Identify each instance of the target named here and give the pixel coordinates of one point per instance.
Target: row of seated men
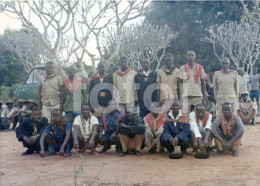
(131, 133)
(12, 116)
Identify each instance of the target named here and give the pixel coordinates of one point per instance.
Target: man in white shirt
(85, 130)
(200, 125)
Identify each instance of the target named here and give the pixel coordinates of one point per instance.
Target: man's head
(225, 63)
(241, 71)
(145, 63)
(200, 111)
(175, 106)
(21, 103)
(101, 67)
(244, 97)
(155, 107)
(36, 114)
(255, 70)
(49, 68)
(168, 59)
(111, 106)
(56, 115)
(31, 103)
(123, 63)
(227, 110)
(9, 104)
(130, 112)
(72, 70)
(86, 110)
(191, 56)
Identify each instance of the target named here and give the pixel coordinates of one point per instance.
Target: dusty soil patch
(108, 169)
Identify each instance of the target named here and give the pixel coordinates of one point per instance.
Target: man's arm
(44, 134)
(185, 131)
(93, 136)
(214, 130)
(179, 87)
(75, 135)
(239, 133)
(215, 85)
(68, 133)
(40, 96)
(61, 97)
(236, 86)
(203, 89)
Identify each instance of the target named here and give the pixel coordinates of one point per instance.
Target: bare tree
(142, 41)
(27, 48)
(255, 14)
(238, 41)
(66, 28)
(93, 18)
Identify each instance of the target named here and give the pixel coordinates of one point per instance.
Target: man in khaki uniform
(192, 77)
(226, 86)
(50, 93)
(123, 80)
(168, 81)
(246, 109)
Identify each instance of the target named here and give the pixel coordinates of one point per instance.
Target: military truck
(29, 88)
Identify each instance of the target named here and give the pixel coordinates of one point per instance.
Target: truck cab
(30, 86)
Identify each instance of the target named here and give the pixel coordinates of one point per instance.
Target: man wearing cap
(226, 86)
(192, 77)
(75, 94)
(50, 92)
(246, 109)
(15, 114)
(30, 103)
(6, 111)
(227, 130)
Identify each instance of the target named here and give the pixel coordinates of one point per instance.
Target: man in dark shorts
(254, 88)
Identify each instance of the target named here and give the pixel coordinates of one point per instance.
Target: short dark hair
(168, 55)
(225, 59)
(226, 104)
(49, 63)
(123, 58)
(102, 62)
(56, 110)
(200, 105)
(36, 109)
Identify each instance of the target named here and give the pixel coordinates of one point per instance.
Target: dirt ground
(108, 169)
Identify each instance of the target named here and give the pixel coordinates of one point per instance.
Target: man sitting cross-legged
(57, 135)
(131, 132)
(154, 128)
(109, 122)
(85, 130)
(246, 109)
(30, 130)
(176, 129)
(200, 125)
(227, 131)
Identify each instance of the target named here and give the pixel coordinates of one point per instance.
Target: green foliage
(11, 70)
(7, 92)
(190, 19)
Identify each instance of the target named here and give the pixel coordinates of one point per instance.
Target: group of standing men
(160, 122)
